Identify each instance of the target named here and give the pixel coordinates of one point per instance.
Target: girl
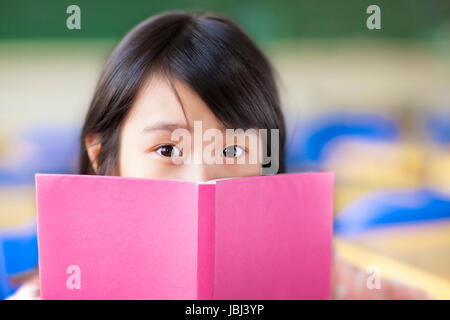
(170, 71)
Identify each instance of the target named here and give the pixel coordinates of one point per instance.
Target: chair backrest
(18, 254)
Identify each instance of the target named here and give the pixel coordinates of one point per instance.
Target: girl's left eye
(233, 151)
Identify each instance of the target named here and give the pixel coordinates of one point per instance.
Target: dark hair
(209, 53)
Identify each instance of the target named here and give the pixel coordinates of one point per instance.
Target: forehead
(157, 102)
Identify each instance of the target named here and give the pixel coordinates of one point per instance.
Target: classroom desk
(17, 205)
(417, 254)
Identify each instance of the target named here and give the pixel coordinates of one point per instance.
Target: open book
(263, 237)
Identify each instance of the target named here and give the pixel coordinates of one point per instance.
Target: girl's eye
(232, 151)
(169, 150)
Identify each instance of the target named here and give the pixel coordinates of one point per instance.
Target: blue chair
(54, 150)
(438, 127)
(4, 278)
(18, 254)
(306, 141)
(381, 209)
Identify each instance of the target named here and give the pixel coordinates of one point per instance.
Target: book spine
(206, 243)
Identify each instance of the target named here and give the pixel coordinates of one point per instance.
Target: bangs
(228, 73)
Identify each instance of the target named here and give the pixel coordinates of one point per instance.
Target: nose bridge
(201, 172)
(199, 169)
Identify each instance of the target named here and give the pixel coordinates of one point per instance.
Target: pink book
(264, 237)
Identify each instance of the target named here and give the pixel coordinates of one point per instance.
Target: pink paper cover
(243, 238)
(273, 237)
(131, 238)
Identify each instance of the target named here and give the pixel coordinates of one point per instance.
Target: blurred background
(371, 105)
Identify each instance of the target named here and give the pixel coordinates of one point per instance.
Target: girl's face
(149, 150)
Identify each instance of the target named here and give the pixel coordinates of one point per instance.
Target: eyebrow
(165, 126)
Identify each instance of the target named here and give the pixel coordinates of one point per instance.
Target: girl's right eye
(168, 151)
